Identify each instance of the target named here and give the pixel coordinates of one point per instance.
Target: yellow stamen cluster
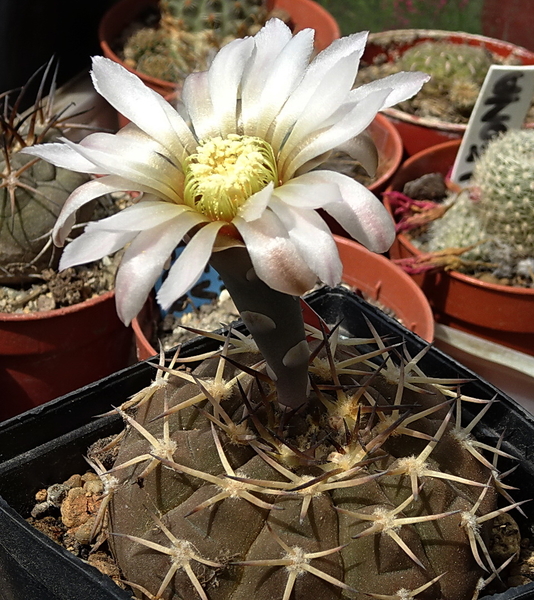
(224, 173)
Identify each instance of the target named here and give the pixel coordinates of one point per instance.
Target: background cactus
(229, 18)
(189, 34)
(32, 191)
(456, 70)
(496, 212)
(373, 487)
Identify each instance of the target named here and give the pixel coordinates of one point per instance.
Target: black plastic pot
(46, 445)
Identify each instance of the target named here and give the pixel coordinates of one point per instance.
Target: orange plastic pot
(418, 133)
(374, 276)
(304, 13)
(499, 313)
(44, 355)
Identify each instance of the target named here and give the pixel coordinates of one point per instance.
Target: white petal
(93, 246)
(363, 149)
(286, 73)
(256, 204)
(81, 196)
(327, 98)
(306, 192)
(141, 105)
(268, 42)
(348, 127)
(189, 267)
(224, 78)
(361, 214)
(321, 68)
(403, 85)
(63, 156)
(195, 95)
(146, 214)
(135, 161)
(313, 239)
(143, 263)
(275, 257)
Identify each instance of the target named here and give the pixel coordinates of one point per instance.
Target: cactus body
(504, 182)
(252, 503)
(24, 233)
(228, 17)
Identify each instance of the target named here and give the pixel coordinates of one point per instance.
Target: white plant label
(502, 104)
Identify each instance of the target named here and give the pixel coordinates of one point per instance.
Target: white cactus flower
(233, 167)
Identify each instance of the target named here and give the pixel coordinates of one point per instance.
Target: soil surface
(50, 289)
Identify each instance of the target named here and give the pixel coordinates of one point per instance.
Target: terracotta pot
(44, 355)
(418, 133)
(499, 313)
(375, 277)
(304, 13)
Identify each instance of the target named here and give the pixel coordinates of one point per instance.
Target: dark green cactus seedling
(32, 191)
(374, 488)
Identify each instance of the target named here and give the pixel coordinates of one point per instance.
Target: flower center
(222, 175)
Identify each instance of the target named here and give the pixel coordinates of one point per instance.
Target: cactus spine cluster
(189, 34)
(374, 489)
(32, 191)
(497, 210)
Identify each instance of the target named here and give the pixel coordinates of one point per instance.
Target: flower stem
(275, 321)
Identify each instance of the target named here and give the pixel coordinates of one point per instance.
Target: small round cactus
(496, 213)
(32, 191)
(503, 181)
(373, 489)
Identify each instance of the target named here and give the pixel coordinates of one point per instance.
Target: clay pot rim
(526, 56)
(57, 312)
(467, 279)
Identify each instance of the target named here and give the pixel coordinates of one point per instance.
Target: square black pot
(46, 445)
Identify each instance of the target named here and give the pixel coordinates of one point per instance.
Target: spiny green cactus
(456, 69)
(189, 34)
(503, 181)
(375, 488)
(229, 17)
(32, 191)
(496, 212)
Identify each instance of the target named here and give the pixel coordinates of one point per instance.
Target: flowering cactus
(238, 177)
(313, 469)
